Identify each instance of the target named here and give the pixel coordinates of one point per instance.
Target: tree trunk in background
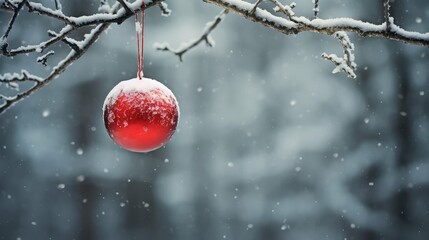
(404, 138)
(403, 131)
(87, 192)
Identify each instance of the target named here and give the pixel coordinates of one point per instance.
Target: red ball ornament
(141, 115)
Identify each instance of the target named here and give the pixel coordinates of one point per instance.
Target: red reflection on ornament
(141, 115)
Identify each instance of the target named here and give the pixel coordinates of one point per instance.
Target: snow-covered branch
(316, 8)
(116, 14)
(15, 77)
(338, 27)
(324, 26)
(165, 11)
(205, 37)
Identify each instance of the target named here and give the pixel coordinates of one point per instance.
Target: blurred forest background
(270, 144)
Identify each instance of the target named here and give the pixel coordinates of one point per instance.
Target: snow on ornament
(141, 115)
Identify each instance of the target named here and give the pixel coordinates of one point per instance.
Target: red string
(140, 48)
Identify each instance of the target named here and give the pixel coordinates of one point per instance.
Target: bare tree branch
(5, 7)
(12, 20)
(316, 8)
(15, 77)
(58, 5)
(188, 46)
(44, 58)
(69, 41)
(255, 6)
(39, 8)
(328, 26)
(41, 46)
(386, 6)
(125, 6)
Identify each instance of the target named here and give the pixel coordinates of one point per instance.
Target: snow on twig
(347, 62)
(58, 5)
(117, 17)
(316, 8)
(41, 46)
(19, 77)
(69, 41)
(11, 80)
(104, 7)
(16, 9)
(386, 5)
(255, 6)
(57, 70)
(287, 10)
(210, 26)
(165, 11)
(44, 58)
(125, 6)
(58, 14)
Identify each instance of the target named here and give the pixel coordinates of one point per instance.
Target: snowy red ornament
(141, 115)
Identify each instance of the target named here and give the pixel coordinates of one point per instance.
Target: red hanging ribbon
(140, 48)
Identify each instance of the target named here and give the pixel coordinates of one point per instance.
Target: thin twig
(287, 10)
(255, 6)
(58, 5)
(386, 6)
(24, 76)
(69, 41)
(125, 6)
(37, 7)
(44, 59)
(12, 20)
(204, 37)
(165, 11)
(60, 68)
(4, 7)
(41, 46)
(316, 8)
(347, 62)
